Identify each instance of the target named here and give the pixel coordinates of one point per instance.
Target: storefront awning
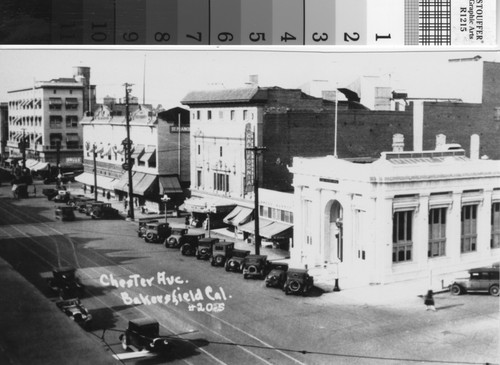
(137, 151)
(238, 216)
(30, 163)
(141, 182)
(169, 185)
(207, 205)
(102, 181)
(269, 229)
(150, 151)
(39, 166)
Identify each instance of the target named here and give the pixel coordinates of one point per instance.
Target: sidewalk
(34, 331)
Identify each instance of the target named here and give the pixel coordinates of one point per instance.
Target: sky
(170, 73)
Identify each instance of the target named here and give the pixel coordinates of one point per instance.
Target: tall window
(437, 232)
(199, 149)
(495, 225)
(198, 178)
(55, 121)
(220, 151)
(55, 103)
(469, 228)
(402, 243)
(232, 114)
(221, 182)
(209, 114)
(245, 114)
(71, 103)
(198, 114)
(71, 121)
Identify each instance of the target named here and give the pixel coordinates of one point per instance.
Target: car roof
(63, 269)
(143, 321)
(484, 269)
(256, 257)
(224, 243)
(298, 271)
(208, 239)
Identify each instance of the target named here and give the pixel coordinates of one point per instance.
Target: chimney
(418, 125)
(440, 140)
(254, 79)
(474, 147)
(330, 95)
(398, 142)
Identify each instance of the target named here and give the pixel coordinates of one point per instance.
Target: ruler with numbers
(250, 22)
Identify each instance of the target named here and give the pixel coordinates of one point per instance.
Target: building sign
(332, 181)
(249, 160)
(73, 160)
(175, 129)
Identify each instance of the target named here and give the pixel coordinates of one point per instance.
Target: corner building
(407, 215)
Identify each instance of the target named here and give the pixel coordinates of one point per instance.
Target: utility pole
(128, 88)
(95, 171)
(256, 150)
(23, 150)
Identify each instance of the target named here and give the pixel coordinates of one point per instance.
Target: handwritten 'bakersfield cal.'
(175, 297)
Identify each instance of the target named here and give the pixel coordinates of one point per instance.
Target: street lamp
(165, 199)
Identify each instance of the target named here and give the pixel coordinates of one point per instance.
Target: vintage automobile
(65, 214)
(62, 196)
(298, 281)
(255, 266)
(204, 249)
(50, 193)
(235, 262)
(75, 310)
(143, 334)
(189, 242)
(86, 206)
(483, 279)
(143, 222)
(74, 200)
(65, 282)
(100, 210)
(174, 241)
(277, 277)
(156, 232)
(221, 251)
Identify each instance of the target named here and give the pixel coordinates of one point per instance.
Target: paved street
(230, 320)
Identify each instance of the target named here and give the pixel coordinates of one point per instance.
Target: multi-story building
(406, 215)
(47, 116)
(156, 155)
(4, 129)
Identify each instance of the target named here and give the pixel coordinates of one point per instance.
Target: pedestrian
(34, 190)
(186, 221)
(429, 301)
(108, 195)
(84, 189)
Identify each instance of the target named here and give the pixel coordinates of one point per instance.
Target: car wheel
(219, 260)
(494, 290)
(149, 237)
(294, 286)
(185, 250)
(252, 269)
(123, 340)
(455, 289)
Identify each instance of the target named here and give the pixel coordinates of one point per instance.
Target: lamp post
(128, 89)
(165, 199)
(94, 147)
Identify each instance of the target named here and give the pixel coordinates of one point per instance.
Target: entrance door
(334, 250)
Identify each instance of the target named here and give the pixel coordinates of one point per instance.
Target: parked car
(204, 249)
(174, 240)
(298, 281)
(74, 200)
(65, 214)
(62, 196)
(100, 210)
(189, 242)
(50, 193)
(65, 282)
(255, 266)
(221, 251)
(75, 310)
(277, 277)
(143, 334)
(157, 232)
(483, 279)
(143, 222)
(84, 204)
(235, 262)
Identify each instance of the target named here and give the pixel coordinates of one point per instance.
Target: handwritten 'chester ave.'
(137, 281)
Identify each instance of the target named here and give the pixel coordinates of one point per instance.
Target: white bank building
(407, 215)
